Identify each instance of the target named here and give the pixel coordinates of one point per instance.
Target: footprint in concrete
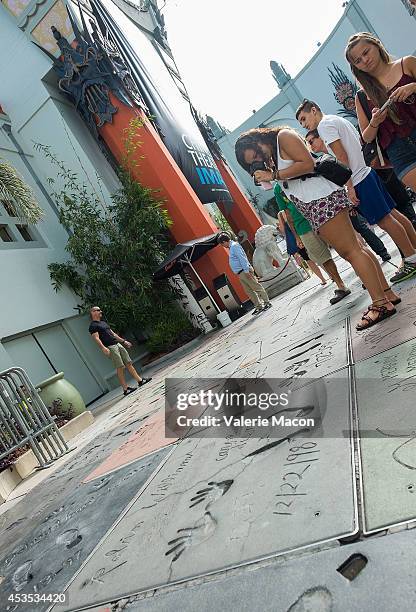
(202, 530)
(317, 599)
(69, 538)
(211, 493)
(53, 514)
(103, 482)
(15, 523)
(22, 576)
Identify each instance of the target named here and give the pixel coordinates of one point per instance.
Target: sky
(223, 48)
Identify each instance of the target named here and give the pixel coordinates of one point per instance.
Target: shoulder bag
(373, 155)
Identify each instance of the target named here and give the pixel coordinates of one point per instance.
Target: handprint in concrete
(204, 527)
(211, 493)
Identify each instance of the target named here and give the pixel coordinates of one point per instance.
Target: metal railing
(25, 420)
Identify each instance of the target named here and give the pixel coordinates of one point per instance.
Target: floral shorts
(320, 211)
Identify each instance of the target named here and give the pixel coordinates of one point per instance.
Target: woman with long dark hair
(384, 79)
(285, 156)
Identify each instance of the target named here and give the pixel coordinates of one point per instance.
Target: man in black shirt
(114, 346)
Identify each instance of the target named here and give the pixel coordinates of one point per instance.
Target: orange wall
(241, 216)
(158, 170)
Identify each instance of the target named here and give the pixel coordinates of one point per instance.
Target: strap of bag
(362, 96)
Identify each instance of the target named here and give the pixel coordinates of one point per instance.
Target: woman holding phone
(326, 206)
(390, 86)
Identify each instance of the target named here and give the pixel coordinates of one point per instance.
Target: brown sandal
(396, 301)
(383, 313)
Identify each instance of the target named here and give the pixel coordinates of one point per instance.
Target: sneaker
(267, 306)
(144, 381)
(406, 271)
(257, 311)
(130, 390)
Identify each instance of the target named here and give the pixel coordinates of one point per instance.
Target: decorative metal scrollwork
(89, 69)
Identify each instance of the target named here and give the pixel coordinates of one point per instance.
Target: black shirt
(104, 332)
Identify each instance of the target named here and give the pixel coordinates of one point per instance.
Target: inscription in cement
(49, 555)
(309, 357)
(386, 391)
(386, 335)
(218, 503)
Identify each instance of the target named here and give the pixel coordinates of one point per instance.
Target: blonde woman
(386, 80)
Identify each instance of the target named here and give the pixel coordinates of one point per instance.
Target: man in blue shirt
(240, 265)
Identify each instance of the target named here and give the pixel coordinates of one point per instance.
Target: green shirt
(301, 225)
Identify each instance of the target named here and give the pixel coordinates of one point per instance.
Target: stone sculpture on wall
(410, 7)
(345, 91)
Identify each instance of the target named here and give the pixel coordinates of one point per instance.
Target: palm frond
(13, 189)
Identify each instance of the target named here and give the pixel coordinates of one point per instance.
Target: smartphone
(385, 105)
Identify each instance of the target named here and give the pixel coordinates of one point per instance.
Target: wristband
(374, 126)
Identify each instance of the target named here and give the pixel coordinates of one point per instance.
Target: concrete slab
(309, 357)
(44, 488)
(53, 550)
(149, 438)
(385, 386)
(324, 317)
(311, 583)
(244, 498)
(388, 334)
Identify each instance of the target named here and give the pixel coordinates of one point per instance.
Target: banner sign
(166, 105)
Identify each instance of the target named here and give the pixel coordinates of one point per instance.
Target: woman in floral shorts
(324, 204)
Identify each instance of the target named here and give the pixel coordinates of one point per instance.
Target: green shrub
(171, 331)
(114, 248)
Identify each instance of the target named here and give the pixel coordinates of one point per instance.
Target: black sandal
(144, 381)
(383, 313)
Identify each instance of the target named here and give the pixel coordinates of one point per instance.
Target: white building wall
(314, 80)
(392, 23)
(29, 305)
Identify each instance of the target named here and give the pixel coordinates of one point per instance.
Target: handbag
(328, 167)
(331, 169)
(372, 152)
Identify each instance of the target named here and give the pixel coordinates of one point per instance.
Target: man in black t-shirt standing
(115, 347)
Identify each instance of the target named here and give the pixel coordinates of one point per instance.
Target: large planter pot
(58, 393)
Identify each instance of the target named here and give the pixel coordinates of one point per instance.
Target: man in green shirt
(316, 248)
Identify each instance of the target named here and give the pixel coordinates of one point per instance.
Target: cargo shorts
(119, 355)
